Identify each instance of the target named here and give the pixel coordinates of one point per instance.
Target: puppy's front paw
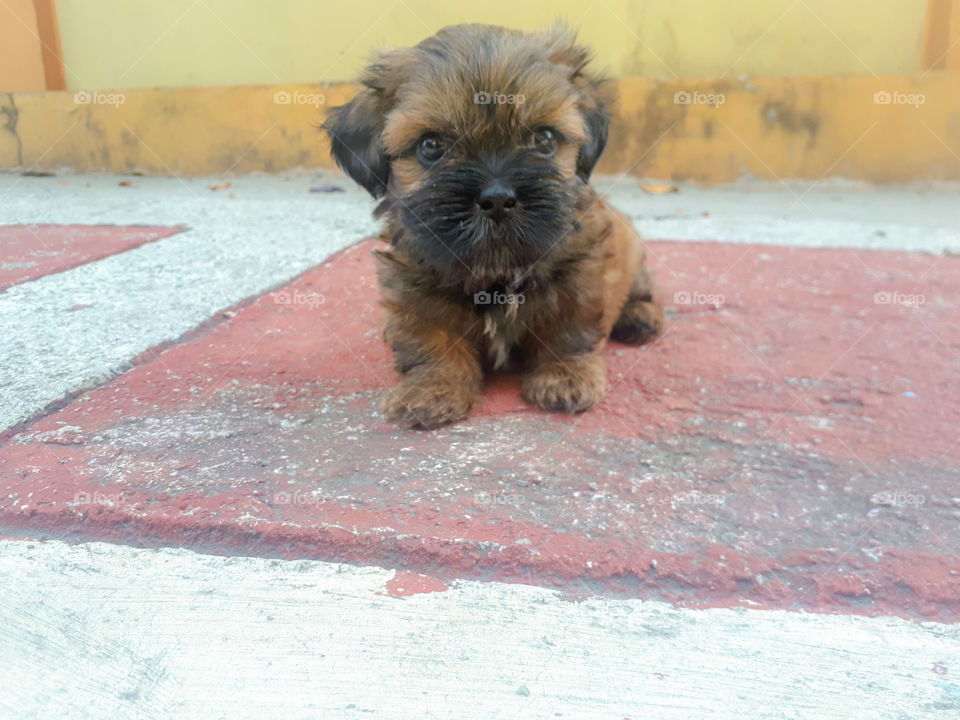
(425, 402)
(572, 385)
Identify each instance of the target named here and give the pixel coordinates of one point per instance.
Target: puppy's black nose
(496, 200)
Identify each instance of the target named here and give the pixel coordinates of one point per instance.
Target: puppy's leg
(441, 375)
(641, 318)
(572, 384)
(567, 371)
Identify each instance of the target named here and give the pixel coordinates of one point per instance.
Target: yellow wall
(21, 65)
(149, 43)
(807, 109)
(772, 128)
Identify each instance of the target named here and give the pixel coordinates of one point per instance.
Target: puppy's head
(479, 138)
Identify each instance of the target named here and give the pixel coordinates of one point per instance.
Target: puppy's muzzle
(497, 200)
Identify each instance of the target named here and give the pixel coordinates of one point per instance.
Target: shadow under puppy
(481, 141)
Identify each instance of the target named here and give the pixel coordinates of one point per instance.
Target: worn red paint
(405, 584)
(771, 452)
(31, 251)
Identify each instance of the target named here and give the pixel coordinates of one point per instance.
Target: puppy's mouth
(467, 222)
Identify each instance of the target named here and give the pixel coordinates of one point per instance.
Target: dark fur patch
(598, 128)
(406, 356)
(445, 228)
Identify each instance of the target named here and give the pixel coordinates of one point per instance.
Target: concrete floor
(266, 229)
(98, 630)
(106, 631)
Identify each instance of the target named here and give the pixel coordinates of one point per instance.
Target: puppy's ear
(596, 120)
(355, 128)
(562, 49)
(354, 131)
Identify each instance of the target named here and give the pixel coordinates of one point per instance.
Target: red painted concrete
(31, 251)
(795, 447)
(405, 584)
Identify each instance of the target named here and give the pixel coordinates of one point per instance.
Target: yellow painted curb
(177, 131)
(895, 128)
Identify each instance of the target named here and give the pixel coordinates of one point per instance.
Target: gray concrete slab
(833, 213)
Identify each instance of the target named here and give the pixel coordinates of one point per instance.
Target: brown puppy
(481, 140)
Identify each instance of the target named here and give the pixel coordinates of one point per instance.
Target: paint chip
(404, 584)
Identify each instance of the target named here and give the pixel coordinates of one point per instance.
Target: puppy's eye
(431, 149)
(545, 142)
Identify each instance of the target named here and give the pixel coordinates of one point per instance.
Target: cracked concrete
(10, 115)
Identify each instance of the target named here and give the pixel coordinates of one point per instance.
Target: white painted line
(273, 229)
(103, 631)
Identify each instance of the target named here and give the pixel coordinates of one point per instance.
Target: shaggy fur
(540, 286)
